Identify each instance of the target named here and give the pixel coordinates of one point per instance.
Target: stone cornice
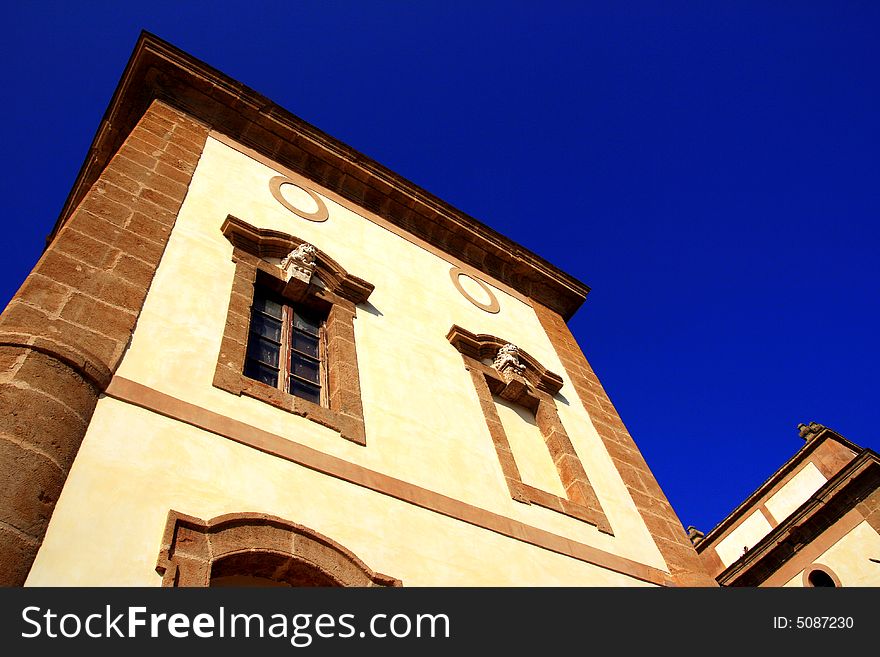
(158, 70)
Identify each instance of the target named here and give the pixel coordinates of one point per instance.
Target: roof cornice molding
(159, 71)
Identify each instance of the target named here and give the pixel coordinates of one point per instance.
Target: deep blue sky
(711, 172)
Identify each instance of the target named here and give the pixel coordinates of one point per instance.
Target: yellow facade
(423, 420)
(849, 558)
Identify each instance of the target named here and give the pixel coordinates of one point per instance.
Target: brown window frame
(332, 294)
(534, 390)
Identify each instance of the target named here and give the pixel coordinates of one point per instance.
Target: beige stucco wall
(423, 421)
(781, 504)
(179, 467)
(530, 452)
(849, 558)
(795, 492)
(748, 533)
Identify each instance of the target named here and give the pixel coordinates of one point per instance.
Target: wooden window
(286, 347)
(288, 341)
(306, 374)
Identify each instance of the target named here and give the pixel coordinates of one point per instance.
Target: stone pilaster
(65, 331)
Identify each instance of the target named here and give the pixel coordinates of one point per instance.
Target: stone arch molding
(191, 547)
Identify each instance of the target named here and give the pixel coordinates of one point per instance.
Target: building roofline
(159, 70)
(803, 525)
(772, 480)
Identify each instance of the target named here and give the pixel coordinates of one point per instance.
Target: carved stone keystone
(507, 362)
(300, 263)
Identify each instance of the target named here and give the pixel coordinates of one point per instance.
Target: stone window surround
(336, 299)
(191, 547)
(534, 389)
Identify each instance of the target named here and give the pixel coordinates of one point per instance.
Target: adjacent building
(814, 522)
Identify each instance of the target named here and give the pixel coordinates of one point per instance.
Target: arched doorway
(254, 549)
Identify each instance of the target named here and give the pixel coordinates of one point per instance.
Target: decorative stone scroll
(300, 263)
(811, 430)
(695, 535)
(507, 362)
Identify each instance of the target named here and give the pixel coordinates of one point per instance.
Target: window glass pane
(264, 351)
(305, 368)
(307, 344)
(305, 323)
(268, 306)
(305, 390)
(260, 372)
(266, 326)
